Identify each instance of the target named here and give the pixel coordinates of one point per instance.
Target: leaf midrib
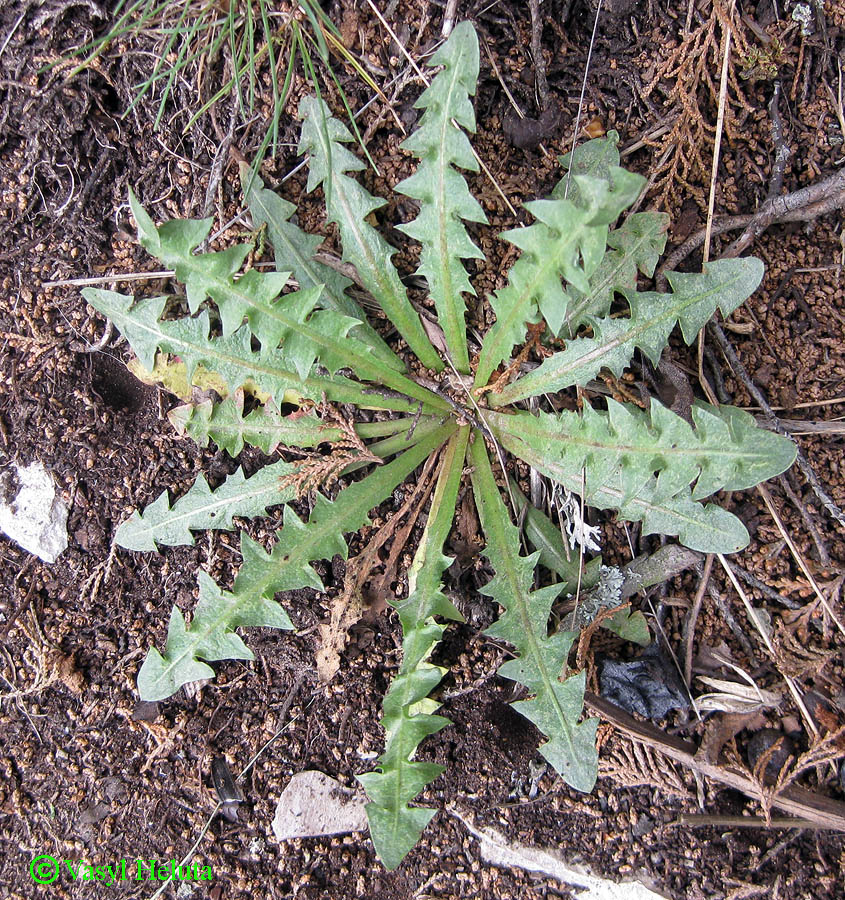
(451, 302)
(529, 428)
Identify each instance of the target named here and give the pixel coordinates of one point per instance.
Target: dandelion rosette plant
(464, 411)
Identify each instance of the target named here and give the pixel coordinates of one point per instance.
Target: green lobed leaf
(348, 204)
(286, 567)
(210, 636)
(561, 243)
(573, 230)
(264, 427)
(637, 245)
(234, 359)
(644, 463)
(394, 826)
(202, 508)
(541, 658)
(599, 159)
(286, 325)
(226, 425)
(295, 249)
(724, 284)
(444, 197)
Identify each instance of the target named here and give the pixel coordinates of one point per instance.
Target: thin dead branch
(821, 548)
(725, 611)
(767, 497)
(692, 618)
(537, 54)
(802, 205)
(823, 812)
(782, 151)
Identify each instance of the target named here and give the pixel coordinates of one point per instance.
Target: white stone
(313, 805)
(31, 512)
(497, 850)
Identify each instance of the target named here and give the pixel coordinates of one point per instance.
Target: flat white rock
(313, 805)
(497, 850)
(31, 512)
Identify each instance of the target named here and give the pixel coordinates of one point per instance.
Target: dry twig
(802, 205)
(692, 618)
(537, 53)
(764, 493)
(823, 812)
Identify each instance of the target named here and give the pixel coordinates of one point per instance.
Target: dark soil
(87, 771)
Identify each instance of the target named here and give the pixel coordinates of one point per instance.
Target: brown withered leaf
(720, 729)
(527, 133)
(347, 609)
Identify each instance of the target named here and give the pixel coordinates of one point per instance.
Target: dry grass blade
(796, 555)
(720, 125)
(755, 620)
(583, 91)
(733, 697)
(692, 618)
(349, 606)
(711, 200)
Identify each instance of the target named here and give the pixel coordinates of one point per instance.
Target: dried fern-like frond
(633, 764)
(691, 68)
